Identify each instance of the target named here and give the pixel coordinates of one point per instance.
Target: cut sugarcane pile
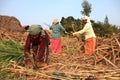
(73, 65)
(59, 71)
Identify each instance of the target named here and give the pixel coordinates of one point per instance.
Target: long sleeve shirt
(56, 29)
(87, 31)
(39, 41)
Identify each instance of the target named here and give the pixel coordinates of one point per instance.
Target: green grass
(10, 51)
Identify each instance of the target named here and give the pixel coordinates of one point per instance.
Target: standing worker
(36, 43)
(90, 37)
(56, 29)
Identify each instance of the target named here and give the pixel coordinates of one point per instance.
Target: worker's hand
(74, 34)
(66, 32)
(48, 42)
(28, 52)
(44, 36)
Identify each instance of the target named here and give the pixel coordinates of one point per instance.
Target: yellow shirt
(87, 31)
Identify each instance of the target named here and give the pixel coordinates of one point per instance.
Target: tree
(86, 8)
(106, 21)
(71, 24)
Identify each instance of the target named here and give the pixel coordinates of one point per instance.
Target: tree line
(101, 28)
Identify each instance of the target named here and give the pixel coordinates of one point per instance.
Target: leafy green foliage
(11, 51)
(86, 8)
(101, 29)
(71, 24)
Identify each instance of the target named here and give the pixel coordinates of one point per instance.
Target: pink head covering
(55, 21)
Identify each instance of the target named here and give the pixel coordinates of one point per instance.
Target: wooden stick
(117, 42)
(107, 60)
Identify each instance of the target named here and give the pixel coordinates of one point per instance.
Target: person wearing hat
(90, 37)
(36, 42)
(56, 28)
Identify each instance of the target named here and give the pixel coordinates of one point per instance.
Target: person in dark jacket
(36, 43)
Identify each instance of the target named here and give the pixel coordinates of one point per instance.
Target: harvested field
(72, 64)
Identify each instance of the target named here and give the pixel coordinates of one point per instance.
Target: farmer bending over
(36, 42)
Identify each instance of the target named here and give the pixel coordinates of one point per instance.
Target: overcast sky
(44, 11)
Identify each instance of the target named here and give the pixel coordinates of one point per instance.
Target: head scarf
(55, 21)
(86, 18)
(35, 29)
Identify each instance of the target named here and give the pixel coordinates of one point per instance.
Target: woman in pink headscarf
(56, 36)
(90, 37)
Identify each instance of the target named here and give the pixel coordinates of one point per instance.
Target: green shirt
(56, 29)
